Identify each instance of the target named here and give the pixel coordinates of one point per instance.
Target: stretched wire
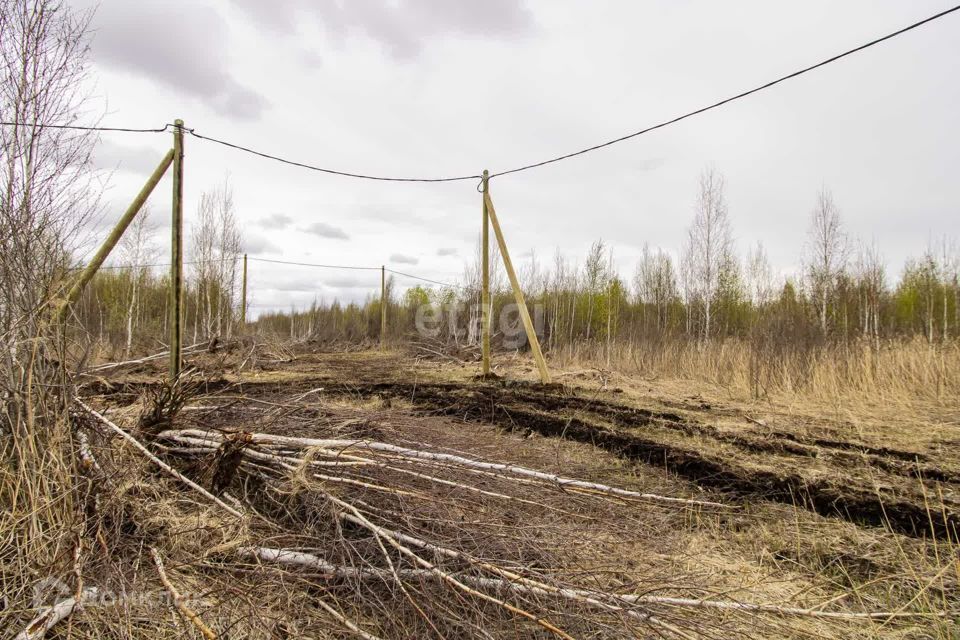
(83, 128)
(311, 264)
(158, 264)
(323, 170)
(436, 282)
(533, 165)
(720, 103)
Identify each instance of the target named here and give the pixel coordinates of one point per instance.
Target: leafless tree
(827, 250)
(871, 284)
(137, 250)
(45, 173)
(216, 244)
(655, 282)
(710, 242)
(47, 194)
(595, 277)
(46, 177)
(948, 268)
(759, 276)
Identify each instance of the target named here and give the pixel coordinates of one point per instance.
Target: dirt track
(863, 483)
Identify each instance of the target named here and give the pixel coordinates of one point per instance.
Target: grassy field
(820, 515)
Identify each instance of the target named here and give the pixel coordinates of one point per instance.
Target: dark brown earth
(909, 492)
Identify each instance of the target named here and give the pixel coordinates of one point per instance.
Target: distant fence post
(176, 255)
(517, 292)
(95, 263)
(485, 280)
(383, 307)
(243, 295)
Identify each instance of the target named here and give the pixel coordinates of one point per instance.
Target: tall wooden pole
(485, 279)
(383, 307)
(517, 292)
(243, 295)
(114, 237)
(176, 255)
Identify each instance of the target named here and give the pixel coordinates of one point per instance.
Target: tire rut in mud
(631, 432)
(556, 413)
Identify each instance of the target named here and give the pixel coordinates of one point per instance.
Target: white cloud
(325, 230)
(276, 221)
(177, 43)
(399, 258)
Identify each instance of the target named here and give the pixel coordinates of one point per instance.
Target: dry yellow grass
(898, 371)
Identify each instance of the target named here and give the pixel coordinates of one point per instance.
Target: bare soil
(827, 503)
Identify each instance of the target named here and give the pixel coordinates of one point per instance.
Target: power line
(528, 166)
(323, 170)
(436, 282)
(732, 98)
(151, 266)
(82, 128)
(311, 264)
(286, 262)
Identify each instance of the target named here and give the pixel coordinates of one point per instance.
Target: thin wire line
(437, 282)
(732, 98)
(287, 262)
(160, 264)
(321, 169)
(82, 128)
(535, 164)
(310, 264)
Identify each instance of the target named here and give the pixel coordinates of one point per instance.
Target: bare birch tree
(710, 243)
(759, 275)
(595, 277)
(47, 195)
(826, 250)
(137, 250)
(216, 243)
(871, 284)
(655, 282)
(948, 267)
(46, 188)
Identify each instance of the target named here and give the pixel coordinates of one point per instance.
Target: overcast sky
(443, 87)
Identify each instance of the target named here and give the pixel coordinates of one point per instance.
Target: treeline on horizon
(710, 295)
(711, 292)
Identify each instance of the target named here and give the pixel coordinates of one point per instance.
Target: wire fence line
(234, 259)
(525, 167)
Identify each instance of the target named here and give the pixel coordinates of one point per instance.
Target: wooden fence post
(383, 307)
(94, 265)
(243, 295)
(485, 280)
(176, 256)
(517, 293)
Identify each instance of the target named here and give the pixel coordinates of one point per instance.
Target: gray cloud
(257, 245)
(325, 230)
(402, 27)
(399, 258)
(297, 283)
(275, 221)
(142, 160)
(350, 282)
(447, 251)
(176, 43)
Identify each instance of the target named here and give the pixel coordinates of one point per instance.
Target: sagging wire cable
(532, 165)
